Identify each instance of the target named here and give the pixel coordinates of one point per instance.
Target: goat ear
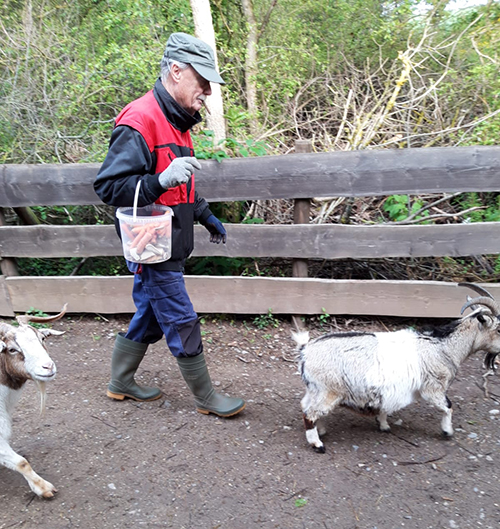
(50, 332)
(485, 318)
(3, 345)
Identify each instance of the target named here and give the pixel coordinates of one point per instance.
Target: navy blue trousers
(164, 309)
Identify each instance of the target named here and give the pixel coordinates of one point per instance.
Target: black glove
(216, 229)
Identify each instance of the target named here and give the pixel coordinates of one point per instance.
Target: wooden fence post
(7, 266)
(301, 211)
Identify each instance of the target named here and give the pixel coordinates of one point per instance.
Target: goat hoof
(447, 435)
(43, 489)
(49, 494)
(319, 449)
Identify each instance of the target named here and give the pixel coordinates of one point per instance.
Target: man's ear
(175, 73)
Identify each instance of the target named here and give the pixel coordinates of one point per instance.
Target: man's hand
(216, 229)
(178, 172)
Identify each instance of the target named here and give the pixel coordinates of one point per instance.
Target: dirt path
(161, 464)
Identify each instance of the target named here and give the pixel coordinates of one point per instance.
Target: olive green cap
(186, 48)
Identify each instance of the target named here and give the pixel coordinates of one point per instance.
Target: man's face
(191, 90)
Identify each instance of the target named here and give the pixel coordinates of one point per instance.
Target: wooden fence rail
(297, 176)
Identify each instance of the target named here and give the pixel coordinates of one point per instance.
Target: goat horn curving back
(24, 320)
(480, 290)
(486, 302)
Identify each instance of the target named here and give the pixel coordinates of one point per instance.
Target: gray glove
(178, 172)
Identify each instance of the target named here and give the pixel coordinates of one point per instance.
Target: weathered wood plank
(336, 241)
(47, 184)
(351, 173)
(354, 173)
(250, 295)
(59, 241)
(330, 241)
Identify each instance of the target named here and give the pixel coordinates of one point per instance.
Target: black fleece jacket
(129, 160)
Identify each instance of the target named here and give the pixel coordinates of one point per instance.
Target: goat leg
(312, 436)
(15, 462)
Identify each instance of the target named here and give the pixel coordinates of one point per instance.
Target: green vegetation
(35, 312)
(346, 74)
(266, 320)
(323, 318)
(206, 149)
(488, 207)
(300, 502)
(342, 73)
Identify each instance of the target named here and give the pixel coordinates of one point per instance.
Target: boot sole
(122, 396)
(207, 412)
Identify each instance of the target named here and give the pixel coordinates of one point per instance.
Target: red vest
(163, 139)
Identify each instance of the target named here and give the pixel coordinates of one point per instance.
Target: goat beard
(43, 395)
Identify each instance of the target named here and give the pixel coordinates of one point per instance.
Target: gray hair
(166, 65)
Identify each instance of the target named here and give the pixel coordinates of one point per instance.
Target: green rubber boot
(195, 373)
(127, 355)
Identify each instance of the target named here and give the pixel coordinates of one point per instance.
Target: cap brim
(208, 73)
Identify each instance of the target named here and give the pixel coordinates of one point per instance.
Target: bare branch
(434, 217)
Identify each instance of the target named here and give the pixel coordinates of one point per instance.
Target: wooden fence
(295, 176)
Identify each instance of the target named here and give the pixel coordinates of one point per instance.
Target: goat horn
(477, 288)
(27, 318)
(485, 301)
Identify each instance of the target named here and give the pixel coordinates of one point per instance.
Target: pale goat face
(488, 340)
(27, 355)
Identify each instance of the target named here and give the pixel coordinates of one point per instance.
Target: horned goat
(379, 373)
(23, 357)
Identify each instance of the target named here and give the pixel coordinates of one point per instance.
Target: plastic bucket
(146, 233)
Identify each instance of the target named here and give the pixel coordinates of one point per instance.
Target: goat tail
(301, 338)
(43, 395)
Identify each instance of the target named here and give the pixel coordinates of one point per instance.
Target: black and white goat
(380, 373)
(23, 357)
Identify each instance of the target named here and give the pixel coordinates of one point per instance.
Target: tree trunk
(26, 215)
(204, 30)
(251, 66)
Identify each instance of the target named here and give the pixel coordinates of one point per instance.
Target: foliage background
(67, 68)
(343, 74)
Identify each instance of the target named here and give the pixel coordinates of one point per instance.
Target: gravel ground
(161, 464)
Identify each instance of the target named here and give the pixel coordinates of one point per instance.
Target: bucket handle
(136, 199)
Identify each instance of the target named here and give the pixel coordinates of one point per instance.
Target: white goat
(23, 356)
(380, 373)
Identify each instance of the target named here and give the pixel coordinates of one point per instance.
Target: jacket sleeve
(201, 209)
(127, 162)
